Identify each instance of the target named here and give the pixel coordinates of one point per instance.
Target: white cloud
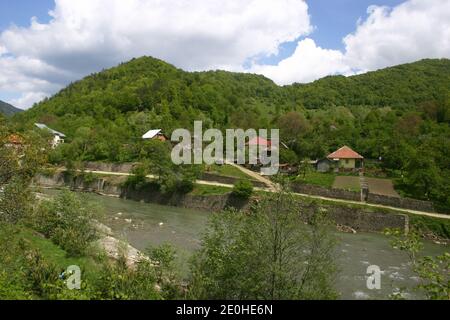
(87, 35)
(414, 30)
(27, 99)
(411, 31)
(308, 63)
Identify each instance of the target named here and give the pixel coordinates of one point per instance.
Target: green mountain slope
(7, 109)
(174, 98)
(400, 86)
(151, 84)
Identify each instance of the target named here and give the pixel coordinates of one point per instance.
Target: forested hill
(401, 86)
(238, 99)
(7, 109)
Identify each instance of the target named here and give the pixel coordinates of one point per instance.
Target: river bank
(146, 225)
(348, 217)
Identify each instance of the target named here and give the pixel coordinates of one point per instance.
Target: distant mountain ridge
(228, 99)
(7, 109)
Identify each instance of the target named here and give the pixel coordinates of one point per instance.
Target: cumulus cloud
(414, 30)
(308, 63)
(87, 35)
(28, 99)
(411, 31)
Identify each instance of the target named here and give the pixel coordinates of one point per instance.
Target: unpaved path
(270, 185)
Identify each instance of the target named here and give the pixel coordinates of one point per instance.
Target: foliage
(15, 201)
(25, 273)
(205, 190)
(243, 189)
(22, 161)
(227, 170)
(167, 276)
(118, 282)
(268, 254)
(288, 156)
(138, 178)
(433, 272)
(19, 162)
(169, 178)
(68, 221)
(317, 178)
(305, 168)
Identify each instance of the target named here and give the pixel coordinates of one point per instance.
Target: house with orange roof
(15, 139)
(347, 159)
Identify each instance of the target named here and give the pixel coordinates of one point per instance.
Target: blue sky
(284, 40)
(19, 12)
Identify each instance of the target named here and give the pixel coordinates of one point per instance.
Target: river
(144, 225)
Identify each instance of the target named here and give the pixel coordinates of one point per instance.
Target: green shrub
(68, 221)
(138, 178)
(243, 189)
(185, 186)
(118, 282)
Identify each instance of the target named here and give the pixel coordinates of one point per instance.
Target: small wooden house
(346, 159)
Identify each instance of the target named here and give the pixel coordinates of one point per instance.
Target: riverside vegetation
(39, 239)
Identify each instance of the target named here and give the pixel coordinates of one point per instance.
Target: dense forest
(399, 115)
(7, 109)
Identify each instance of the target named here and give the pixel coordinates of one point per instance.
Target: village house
(345, 159)
(14, 141)
(264, 144)
(155, 134)
(58, 137)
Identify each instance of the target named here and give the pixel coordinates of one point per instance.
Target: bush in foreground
(243, 189)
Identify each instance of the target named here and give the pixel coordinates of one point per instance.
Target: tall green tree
(267, 254)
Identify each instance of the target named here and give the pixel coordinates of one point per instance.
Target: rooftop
(54, 132)
(345, 153)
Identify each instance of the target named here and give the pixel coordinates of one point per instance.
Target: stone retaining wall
(326, 192)
(405, 203)
(109, 167)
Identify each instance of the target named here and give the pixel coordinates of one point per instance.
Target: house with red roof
(260, 142)
(347, 159)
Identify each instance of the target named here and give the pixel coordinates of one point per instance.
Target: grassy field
(347, 183)
(318, 179)
(55, 254)
(226, 170)
(382, 187)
